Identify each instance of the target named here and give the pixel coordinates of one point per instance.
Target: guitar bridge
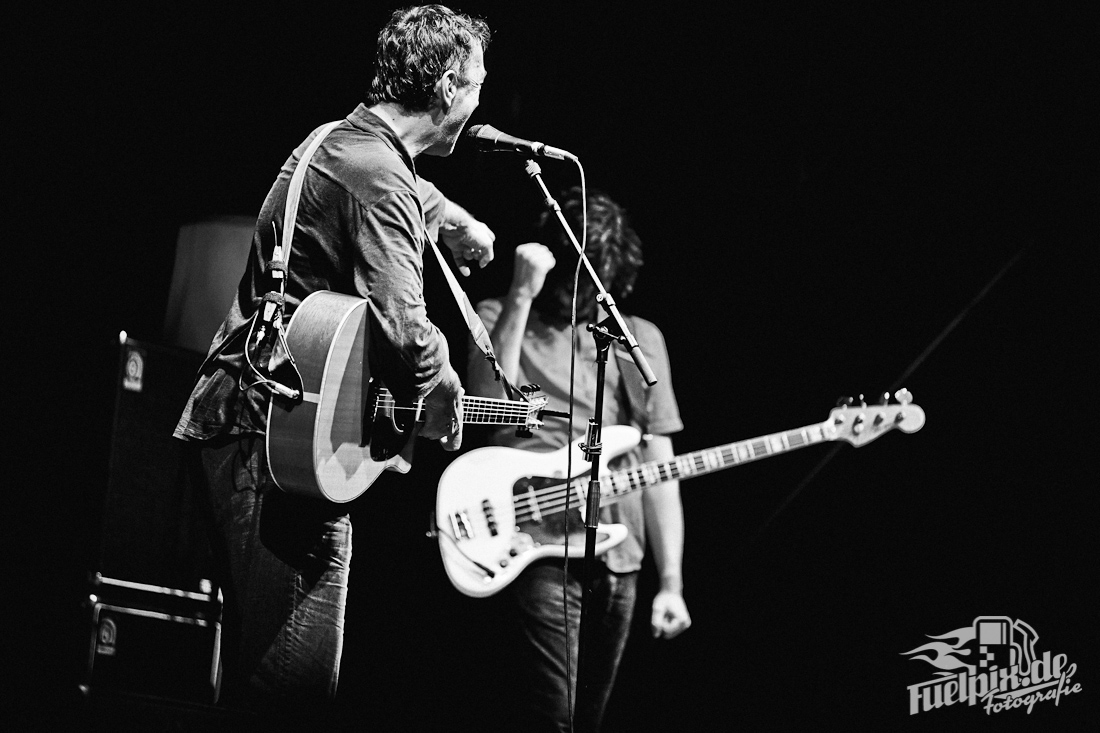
(460, 524)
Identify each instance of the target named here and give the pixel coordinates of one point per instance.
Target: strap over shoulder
(473, 323)
(294, 193)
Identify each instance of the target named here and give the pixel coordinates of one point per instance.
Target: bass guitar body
(490, 518)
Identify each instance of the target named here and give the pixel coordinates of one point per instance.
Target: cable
(569, 675)
(269, 316)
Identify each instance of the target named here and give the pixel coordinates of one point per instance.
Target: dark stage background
(823, 193)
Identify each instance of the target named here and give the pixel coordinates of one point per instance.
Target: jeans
(536, 597)
(282, 562)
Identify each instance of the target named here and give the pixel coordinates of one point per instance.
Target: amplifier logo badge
(105, 639)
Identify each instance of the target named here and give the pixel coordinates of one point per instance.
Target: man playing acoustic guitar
(363, 220)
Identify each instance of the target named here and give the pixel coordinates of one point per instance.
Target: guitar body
(484, 546)
(322, 446)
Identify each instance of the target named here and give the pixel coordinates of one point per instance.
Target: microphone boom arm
(603, 297)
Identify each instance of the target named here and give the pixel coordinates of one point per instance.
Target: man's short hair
(416, 47)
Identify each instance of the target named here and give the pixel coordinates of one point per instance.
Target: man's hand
(443, 406)
(670, 615)
(533, 261)
(468, 239)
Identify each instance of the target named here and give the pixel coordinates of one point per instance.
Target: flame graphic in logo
(992, 642)
(947, 655)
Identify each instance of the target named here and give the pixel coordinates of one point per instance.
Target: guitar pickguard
(386, 430)
(548, 528)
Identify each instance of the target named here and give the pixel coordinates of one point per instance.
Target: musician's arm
(664, 522)
(507, 328)
(480, 377)
(468, 239)
(411, 354)
(507, 337)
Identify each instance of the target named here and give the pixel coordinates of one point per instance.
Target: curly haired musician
(362, 226)
(531, 334)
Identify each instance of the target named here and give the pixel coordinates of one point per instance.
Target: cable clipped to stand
(266, 348)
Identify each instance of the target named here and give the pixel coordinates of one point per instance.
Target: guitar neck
(857, 425)
(620, 484)
(475, 410)
(490, 411)
(626, 481)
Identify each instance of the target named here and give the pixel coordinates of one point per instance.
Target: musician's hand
(443, 406)
(670, 615)
(469, 241)
(533, 261)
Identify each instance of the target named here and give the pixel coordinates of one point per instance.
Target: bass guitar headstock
(861, 423)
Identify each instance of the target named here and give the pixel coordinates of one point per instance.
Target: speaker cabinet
(151, 532)
(155, 641)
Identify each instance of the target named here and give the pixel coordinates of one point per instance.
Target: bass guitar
(347, 428)
(499, 509)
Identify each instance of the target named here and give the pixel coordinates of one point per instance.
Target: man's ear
(446, 89)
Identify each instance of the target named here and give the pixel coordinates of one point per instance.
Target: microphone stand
(611, 329)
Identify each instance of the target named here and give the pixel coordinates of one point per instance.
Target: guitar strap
(281, 257)
(267, 322)
(474, 324)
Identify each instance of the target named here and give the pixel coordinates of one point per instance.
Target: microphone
(490, 140)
